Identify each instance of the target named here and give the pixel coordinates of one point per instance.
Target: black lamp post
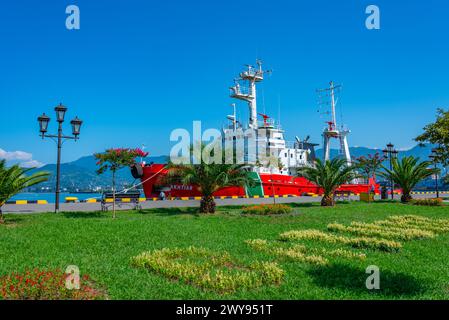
(433, 156)
(390, 153)
(43, 127)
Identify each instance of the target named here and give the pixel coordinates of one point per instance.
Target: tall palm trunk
(406, 197)
(207, 204)
(328, 200)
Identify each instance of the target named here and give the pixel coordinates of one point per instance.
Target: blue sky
(136, 70)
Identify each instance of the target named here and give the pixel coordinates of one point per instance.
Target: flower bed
(364, 230)
(301, 253)
(357, 242)
(428, 202)
(417, 222)
(208, 269)
(46, 285)
(267, 209)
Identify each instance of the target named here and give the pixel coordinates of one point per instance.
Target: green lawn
(103, 247)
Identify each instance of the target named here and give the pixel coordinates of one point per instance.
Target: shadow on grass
(10, 222)
(84, 215)
(172, 211)
(392, 284)
(302, 204)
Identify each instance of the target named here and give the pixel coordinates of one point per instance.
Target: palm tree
(208, 178)
(329, 175)
(407, 172)
(14, 179)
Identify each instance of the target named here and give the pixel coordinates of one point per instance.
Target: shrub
(423, 223)
(360, 242)
(208, 269)
(406, 232)
(428, 202)
(363, 230)
(266, 209)
(46, 285)
(298, 252)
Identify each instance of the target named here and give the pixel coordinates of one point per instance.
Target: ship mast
(332, 131)
(250, 76)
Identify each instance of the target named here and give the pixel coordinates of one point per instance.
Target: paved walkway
(83, 207)
(73, 207)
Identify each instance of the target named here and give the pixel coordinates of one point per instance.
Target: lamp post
(433, 156)
(43, 128)
(390, 153)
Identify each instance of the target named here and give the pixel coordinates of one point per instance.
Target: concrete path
(83, 207)
(73, 207)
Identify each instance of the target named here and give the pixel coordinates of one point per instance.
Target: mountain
(422, 152)
(80, 175)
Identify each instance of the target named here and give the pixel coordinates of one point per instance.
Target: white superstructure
(280, 157)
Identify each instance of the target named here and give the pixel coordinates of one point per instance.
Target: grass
(103, 248)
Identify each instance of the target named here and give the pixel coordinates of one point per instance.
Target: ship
(280, 180)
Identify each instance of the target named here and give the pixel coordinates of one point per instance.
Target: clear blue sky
(136, 70)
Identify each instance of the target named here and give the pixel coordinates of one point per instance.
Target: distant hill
(417, 151)
(80, 174)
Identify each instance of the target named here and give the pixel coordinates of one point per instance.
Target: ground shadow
(392, 284)
(171, 211)
(84, 215)
(301, 204)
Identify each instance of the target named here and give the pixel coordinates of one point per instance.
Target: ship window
(291, 156)
(285, 155)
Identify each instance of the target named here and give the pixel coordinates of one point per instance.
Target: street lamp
(43, 128)
(390, 153)
(434, 157)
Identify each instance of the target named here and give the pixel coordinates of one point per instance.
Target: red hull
(282, 185)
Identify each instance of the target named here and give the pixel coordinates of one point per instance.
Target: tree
(14, 179)
(370, 165)
(329, 175)
(116, 159)
(407, 172)
(208, 178)
(438, 133)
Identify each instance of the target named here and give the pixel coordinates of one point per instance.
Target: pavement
(84, 207)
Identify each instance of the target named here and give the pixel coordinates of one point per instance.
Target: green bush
(208, 269)
(267, 209)
(428, 202)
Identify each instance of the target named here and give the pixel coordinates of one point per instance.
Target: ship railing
(240, 90)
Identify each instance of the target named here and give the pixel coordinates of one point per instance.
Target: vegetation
(198, 266)
(360, 242)
(46, 285)
(428, 202)
(14, 179)
(116, 159)
(438, 133)
(266, 209)
(329, 175)
(407, 172)
(208, 178)
(417, 271)
(370, 165)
